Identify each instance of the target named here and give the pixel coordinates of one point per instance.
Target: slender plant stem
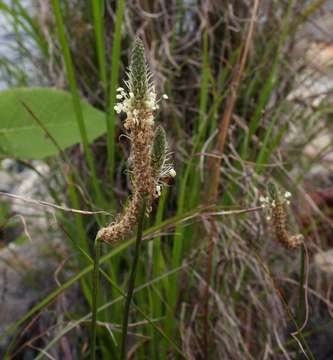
(301, 288)
(300, 309)
(95, 284)
(131, 282)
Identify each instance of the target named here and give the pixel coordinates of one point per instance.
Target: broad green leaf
(27, 136)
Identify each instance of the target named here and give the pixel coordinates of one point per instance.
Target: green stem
(97, 251)
(131, 282)
(300, 309)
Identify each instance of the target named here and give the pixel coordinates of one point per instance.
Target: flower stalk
(131, 282)
(150, 167)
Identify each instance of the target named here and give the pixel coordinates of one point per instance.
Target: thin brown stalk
(46, 204)
(216, 164)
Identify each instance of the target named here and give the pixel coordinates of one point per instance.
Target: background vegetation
(244, 108)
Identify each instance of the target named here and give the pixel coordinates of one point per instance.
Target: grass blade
(95, 281)
(75, 94)
(115, 65)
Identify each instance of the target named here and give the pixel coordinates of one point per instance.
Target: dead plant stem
(216, 163)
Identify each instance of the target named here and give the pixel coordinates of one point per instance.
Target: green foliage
(36, 123)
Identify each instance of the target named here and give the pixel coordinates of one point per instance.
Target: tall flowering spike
(159, 149)
(148, 148)
(138, 75)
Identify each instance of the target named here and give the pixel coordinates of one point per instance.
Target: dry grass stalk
(216, 163)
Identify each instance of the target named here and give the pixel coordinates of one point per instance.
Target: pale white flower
(165, 96)
(287, 194)
(128, 105)
(172, 173)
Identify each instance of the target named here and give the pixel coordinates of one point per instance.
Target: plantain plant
(150, 166)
